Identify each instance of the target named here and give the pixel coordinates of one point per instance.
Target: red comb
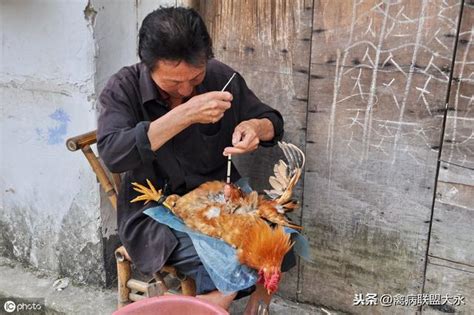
(273, 282)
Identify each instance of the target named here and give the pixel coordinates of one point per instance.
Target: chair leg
(160, 281)
(188, 286)
(124, 271)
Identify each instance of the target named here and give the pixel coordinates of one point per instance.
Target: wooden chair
(129, 290)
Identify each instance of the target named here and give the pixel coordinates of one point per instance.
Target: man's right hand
(204, 108)
(208, 107)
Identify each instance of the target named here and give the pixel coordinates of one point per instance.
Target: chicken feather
(240, 219)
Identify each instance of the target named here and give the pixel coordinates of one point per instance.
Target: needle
(229, 165)
(228, 82)
(229, 158)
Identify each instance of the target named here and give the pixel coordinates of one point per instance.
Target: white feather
(213, 212)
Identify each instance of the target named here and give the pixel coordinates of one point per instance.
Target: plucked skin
(236, 221)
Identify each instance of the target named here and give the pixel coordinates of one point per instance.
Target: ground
(17, 281)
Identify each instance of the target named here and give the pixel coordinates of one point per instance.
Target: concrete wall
(56, 56)
(49, 216)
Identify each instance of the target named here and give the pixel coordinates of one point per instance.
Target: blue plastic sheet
(218, 257)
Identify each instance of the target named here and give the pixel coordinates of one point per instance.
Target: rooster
(225, 212)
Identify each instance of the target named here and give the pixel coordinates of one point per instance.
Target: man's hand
(247, 135)
(207, 108)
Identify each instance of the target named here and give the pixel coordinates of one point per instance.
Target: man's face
(178, 78)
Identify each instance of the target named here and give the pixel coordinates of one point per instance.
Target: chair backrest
(110, 182)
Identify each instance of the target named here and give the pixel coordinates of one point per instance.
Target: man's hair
(177, 34)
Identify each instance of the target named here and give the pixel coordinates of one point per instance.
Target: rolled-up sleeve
(122, 139)
(251, 107)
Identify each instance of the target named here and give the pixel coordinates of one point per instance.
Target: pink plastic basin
(172, 305)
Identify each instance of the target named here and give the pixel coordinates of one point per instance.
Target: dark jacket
(129, 101)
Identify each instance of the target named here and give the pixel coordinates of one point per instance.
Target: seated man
(165, 119)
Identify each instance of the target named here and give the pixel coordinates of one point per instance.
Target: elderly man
(165, 119)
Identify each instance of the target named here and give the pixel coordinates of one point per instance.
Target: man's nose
(185, 89)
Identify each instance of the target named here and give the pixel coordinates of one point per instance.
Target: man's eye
(198, 78)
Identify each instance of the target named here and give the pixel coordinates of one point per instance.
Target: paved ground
(281, 306)
(20, 282)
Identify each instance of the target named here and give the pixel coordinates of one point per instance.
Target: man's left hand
(245, 137)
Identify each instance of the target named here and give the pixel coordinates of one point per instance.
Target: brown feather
(204, 209)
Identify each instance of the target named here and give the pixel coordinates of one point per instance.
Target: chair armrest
(78, 142)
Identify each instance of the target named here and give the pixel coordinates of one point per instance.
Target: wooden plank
(355, 28)
(268, 42)
(456, 194)
(453, 216)
(458, 144)
(377, 86)
(452, 232)
(450, 173)
(448, 278)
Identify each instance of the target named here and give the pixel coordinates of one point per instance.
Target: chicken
(241, 219)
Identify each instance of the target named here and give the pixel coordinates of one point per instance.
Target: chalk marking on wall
(369, 29)
(367, 57)
(373, 86)
(361, 42)
(447, 19)
(355, 95)
(456, 117)
(466, 33)
(392, 27)
(401, 35)
(387, 59)
(409, 45)
(355, 120)
(414, 158)
(380, 147)
(395, 100)
(398, 67)
(424, 91)
(337, 85)
(408, 19)
(398, 122)
(389, 83)
(470, 98)
(358, 85)
(456, 98)
(332, 117)
(349, 143)
(419, 33)
(431, 64)
(467, 139)
(441, 43)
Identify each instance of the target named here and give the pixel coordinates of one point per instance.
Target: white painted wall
(50, 197)
(55, 58)
(116, 36)
(115, 31)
